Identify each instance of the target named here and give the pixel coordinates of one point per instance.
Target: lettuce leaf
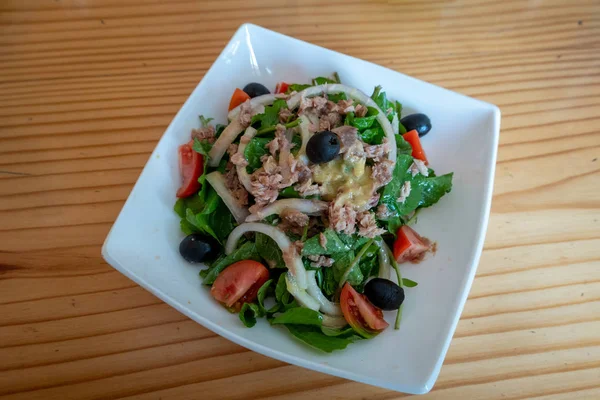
(270, 117)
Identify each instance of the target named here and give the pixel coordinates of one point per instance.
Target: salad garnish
(301, 206)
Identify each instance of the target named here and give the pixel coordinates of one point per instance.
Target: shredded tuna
(319, 104)
(307, 188)
(418, 167)
(245, 139)
(404, 192)
(345, 104)
(383, 212)
(373, 201)
(284, 115)
(281, 96)
(207, 133)
(233, 183)
(381, 173)
(332, 107)
(294, 217)
(245, 115)
(320, 261)
(232, 149)
(367, 226)
(273, 147)
(299, 245)
(342, 218)
(329, 121)
(377, 152)
(270, 165)
(238, 159)
(322, 240)
(304, 172)
(348, 136)
(316, 104)
(265, 186)
(360, 110)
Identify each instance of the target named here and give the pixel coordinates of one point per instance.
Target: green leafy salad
(302, 204)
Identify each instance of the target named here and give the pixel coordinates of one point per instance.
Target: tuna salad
(301, 207)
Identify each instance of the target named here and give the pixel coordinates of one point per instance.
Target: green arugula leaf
(219, 128)
(363, 122)
(249, 313)
(297, 87)
(186, 227)
(299, 316)
(320, 80)
(314, 337)
(254, 150)
(246, 251)
(284, 299)
(313, 246)
(408, 283)
(262, 293)
(335, 97)
(270, 117)
(202, 146)
(403, 146)
(373, 135)
(269, 251)
(326, 281)
(342, 262)
(433, 188)
(346, 332)
(205, 121)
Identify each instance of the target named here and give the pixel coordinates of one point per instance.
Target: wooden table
(88, 87)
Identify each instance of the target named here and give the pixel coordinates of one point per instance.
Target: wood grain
(86, 90)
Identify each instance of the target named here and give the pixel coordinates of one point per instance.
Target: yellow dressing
(349, 180)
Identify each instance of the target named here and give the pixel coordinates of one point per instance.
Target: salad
(302, 204)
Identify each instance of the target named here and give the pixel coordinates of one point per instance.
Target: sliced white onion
(336, 322)
(255, 103)
(313, 289)
(292, 261)
(217, 181)
(243, 175)
(385, 268)
(305, 135)
(299, 294)
(310, 207)
(354, 94)
(396, 124)
(227, 137)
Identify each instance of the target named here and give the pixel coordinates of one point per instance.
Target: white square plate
(143, 242)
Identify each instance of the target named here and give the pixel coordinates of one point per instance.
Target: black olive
(196, 248)
(324, 146)
(420, 122)
(255, 89)
(384, 293)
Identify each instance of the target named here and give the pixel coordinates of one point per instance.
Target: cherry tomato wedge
(412, 137)
(409, 246)
(366, 319)
(191, 166)
(281, 87)
(238, 97)
(239, 283)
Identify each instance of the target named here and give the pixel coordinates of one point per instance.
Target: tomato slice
(412, 137)
(191, 166)
(366, 319)
(281, 87)
(239, 283)
(237, 98)
(409, 246)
